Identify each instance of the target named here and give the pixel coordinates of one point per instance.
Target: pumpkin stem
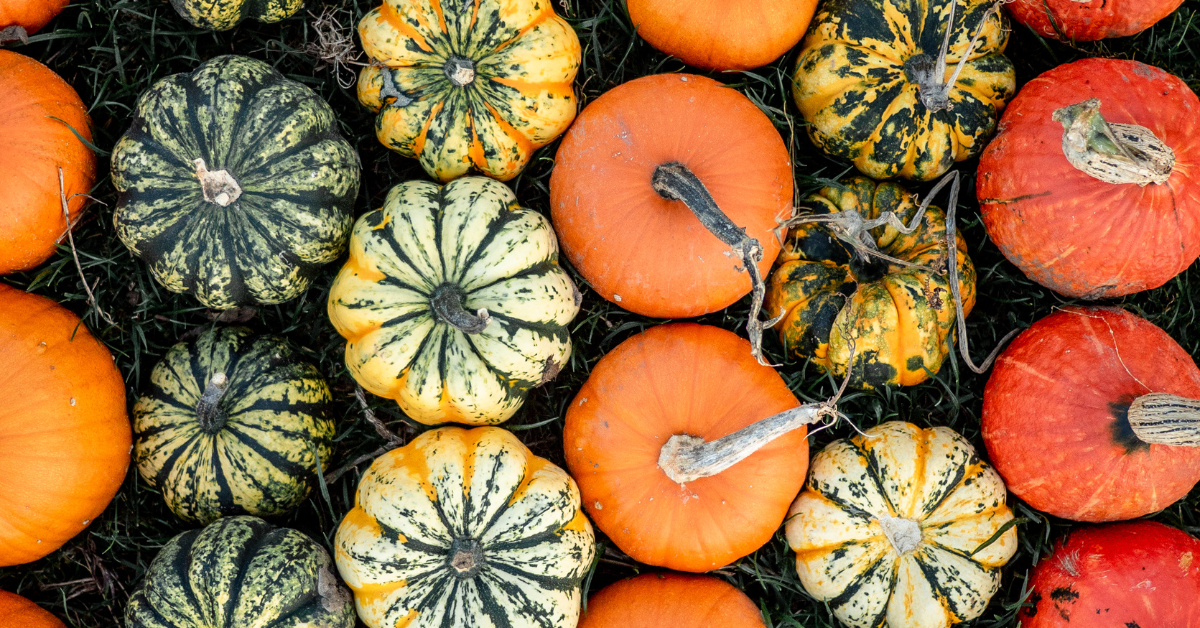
(930, 75)
(675, 182)
(903, 534)
(1166, 419)
(219, 187)
(208, 410)
(460, 71)
(1112, 153)
(447, 304)
(465, 558)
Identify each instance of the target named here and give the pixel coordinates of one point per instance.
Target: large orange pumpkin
(1089, 20)
(669, 600)
(64, 435)
(1093, 414)
(28, 15)
(18, 612)
(697, 383)
(722, 34)
(33, 146)
(613, 189)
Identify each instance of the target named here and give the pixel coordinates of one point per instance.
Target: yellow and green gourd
(233, 423)
(469, 86)
(235, 184)
(222, 15)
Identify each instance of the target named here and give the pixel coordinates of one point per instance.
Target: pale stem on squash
(930, 74)
(1113, 153)
(903, 534)
(218, 186)
(208, 409)
(447, 304)
(1166, 419)
(460, 71)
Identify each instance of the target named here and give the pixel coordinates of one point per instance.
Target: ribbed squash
(897, 320)
(233, 424)
(465, 528)
(235, 184)
(893, 528)
(868, 83)
(243, 572)
(468, 86)
(453, 301)
(222, 15)
(671, 600)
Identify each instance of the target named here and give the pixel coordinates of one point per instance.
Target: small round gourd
(233, 424)
(1090, 20)
(671, 600)
(21, 18)
(19, 612)
(464, 528)
(222, 15)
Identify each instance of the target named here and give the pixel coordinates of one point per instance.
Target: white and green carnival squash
(232, 424)
(469, 85)
(222, 15)
(465, 528)
(453, 302)
(902, 527)
(240, 572)
(878, 85)
(235, 184)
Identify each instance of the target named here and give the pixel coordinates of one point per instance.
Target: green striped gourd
(222, 15)
(453, 302)
(233, 423)
(235, 184)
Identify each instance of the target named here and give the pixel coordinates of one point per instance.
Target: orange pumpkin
(33, 146)
(697, 383)
(612, 194)
(29, 15)
(64, 435)
(18, 612)
(722, 34)
(1090, 20)
(668, 600)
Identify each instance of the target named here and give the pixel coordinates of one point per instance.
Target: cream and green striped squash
(453, 302)
(465, 529)
(222, 15)
(902, 527)
(240, 572)
(468, 86)
(235, 184)
(233, 423)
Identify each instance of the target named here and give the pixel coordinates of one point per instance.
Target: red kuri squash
(18, 612)
(26, 17)
(1089, 20)
(1089, 187)
(669, 600)
(1093, 414)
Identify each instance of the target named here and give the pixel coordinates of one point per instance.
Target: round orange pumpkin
(616, 219)
(694, 382)
(28, 15)
(669, 600)
(722, 34)
(1093, 414)
(64, 434)
(33, 146)
(1089, 20)
(18, 612)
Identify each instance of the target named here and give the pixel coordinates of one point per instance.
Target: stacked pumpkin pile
(672, 197)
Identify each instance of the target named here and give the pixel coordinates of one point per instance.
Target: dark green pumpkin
(222, 15)
(235, 184)
(233, 424)
(240, 572)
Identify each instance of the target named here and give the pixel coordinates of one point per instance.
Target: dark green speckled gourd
(235, 184)
(233, 424)
(222, 15)
(241, 572)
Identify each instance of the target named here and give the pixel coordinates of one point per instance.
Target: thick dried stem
(929, 74)
(208, 409)
(447, 304)
(1112, 153)
(903, 534)
(218, 186)
(460, 71)
(1166, 419)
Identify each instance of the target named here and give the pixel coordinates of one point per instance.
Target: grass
(112, 50)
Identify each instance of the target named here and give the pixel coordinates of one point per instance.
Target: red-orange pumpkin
(668, 600)
(1070, 422)
(18, 612)
(33, 146)
(1073, 211)
(29, 15)
(1089, 20)
(635, 245)
(64, 435)
(722, 34)
(1137, 574)
(699, 383)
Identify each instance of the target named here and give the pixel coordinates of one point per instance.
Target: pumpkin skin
(1139, 573)
(468, 86)
(1056, 409)
(681, 378)
(722, 35)
(64, 435)
(30, 15)
(1030, 195)
(470, 239)
(853, 84)
(278, 140)
(222, 15)
(899, 320)
(257, 450)
(639, 250)
(669, 600)
(19, 612)
(933, 479)
(1090, 20)
(240, 571)
(33, 146)
(464, 528)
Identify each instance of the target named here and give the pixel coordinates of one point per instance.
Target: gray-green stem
(218, 186)
(208, 410)
(1113, 153)
(447, 304)
(1166, 419)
